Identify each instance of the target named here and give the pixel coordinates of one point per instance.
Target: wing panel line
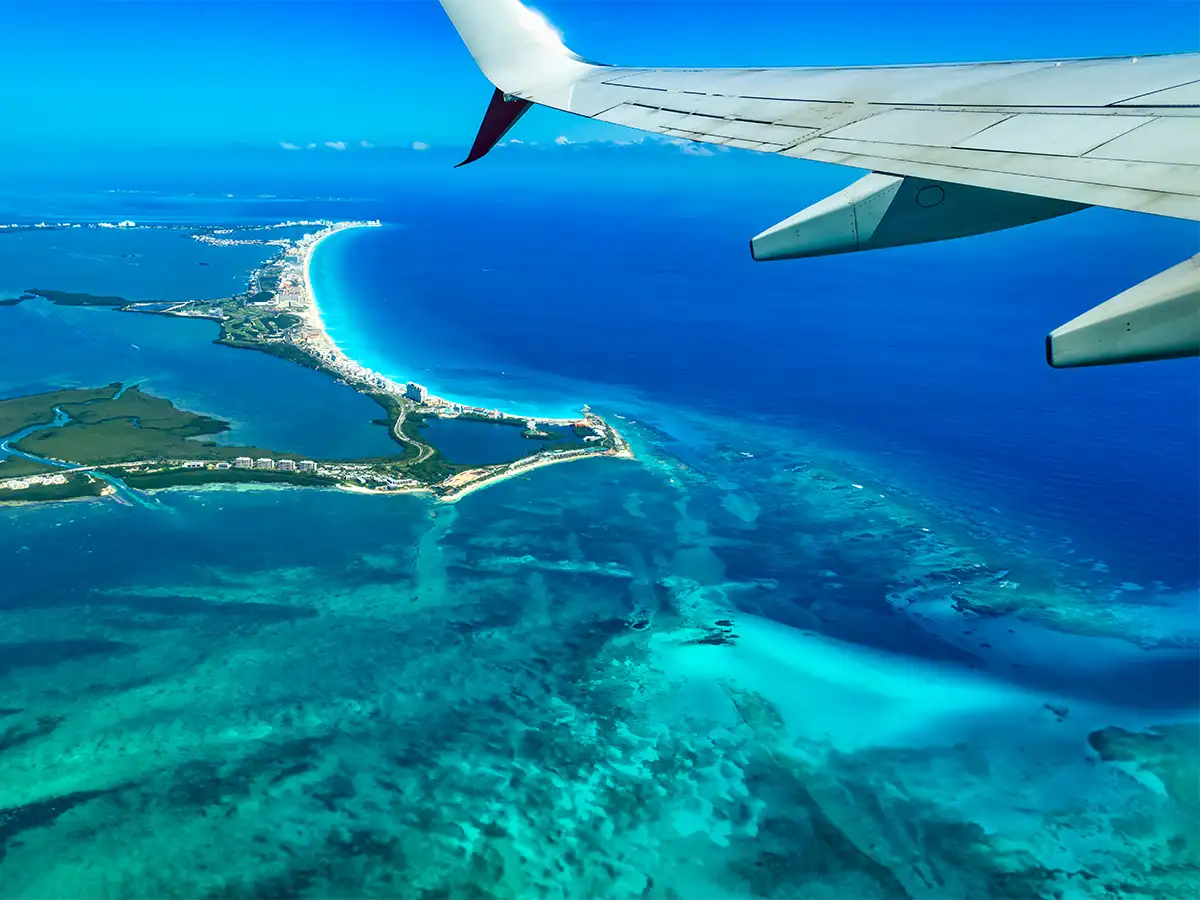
(1161, 90)
(1136, 199)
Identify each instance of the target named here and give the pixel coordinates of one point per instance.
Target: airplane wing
(952, 149)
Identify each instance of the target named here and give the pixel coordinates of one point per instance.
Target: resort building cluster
(270, 465)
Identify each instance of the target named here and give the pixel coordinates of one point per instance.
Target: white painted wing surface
(1120, 132)
(953, 149)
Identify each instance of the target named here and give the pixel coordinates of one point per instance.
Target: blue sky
(224, 72)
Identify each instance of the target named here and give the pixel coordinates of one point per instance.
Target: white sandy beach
(482, 481)
(345, 364)
(310, 311)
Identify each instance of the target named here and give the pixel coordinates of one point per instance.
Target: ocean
(928, 359)
(883, 608)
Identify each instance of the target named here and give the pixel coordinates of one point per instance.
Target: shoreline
(539, 463)
(319, 343)
(310, 313)
(279, 314)
(315, 319)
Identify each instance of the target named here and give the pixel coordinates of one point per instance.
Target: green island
(148, 443)
(65, 298)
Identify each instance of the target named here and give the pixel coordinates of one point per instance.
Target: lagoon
(268, 402)
(470, 442)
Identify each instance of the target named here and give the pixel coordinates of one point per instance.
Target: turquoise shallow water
(748, 664)
(659, 679)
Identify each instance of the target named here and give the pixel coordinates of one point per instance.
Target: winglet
(515, 47)
(502, 114)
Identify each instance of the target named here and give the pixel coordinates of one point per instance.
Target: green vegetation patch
(38, 409)
(283, 321)
(248, 329)
(19, 467)
(434, 468)
(76, 487)
(72, 298)
(134, 426)
(151, 412)
(232, 337)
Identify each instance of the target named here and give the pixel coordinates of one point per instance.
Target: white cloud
(365, 144)
(420, 145)
(312, 146)
(680, 145)
(336, 145)
(564, 141)
(288, 145)
(691, 148)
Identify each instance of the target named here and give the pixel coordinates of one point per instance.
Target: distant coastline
(277, 314)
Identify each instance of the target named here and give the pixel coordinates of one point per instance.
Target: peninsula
(81, 443)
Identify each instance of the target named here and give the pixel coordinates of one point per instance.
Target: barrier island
(79, 443)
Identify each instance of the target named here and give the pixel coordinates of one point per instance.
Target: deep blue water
(928, 359)
(475, 443)
(741, 660)
(547, 282)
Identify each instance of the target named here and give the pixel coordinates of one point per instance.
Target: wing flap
(1151, 178)
(999, 172)
(1166, 140)
(925, 127)
(1053, 135)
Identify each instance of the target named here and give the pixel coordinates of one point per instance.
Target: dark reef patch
(35, 654)
(216, 783)
(17, 819)
(15, 735)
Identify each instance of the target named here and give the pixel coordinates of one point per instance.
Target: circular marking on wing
(931, 195)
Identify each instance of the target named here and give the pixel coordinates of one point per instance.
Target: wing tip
(502, 114)
(514, 46)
